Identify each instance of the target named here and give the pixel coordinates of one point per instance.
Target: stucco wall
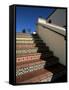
(55, 41)
(58, 17)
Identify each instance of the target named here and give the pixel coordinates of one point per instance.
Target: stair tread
(26, 63)
(19, 47)
(30, 44)
(49, 71)
(22, 42)
(33, 74)
(28, 39)
(37, 60)
(47, 62)
(37, 53)
(27, 54)
(33, 48)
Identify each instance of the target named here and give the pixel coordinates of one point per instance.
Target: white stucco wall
(56, 42)
(58, 17)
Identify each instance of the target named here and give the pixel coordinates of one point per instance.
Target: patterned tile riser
(28, 58)
(27, 51)
(23, 34)
(25, 46)
(29, 69)
(25, 38)
(36, 56)
(33, 50)
(29, 41)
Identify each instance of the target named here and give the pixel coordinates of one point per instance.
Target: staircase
(35, 62)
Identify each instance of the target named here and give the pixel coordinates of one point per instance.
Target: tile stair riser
(27, 51)
(21, 39)
(29, 41)
(28, 58)
(25, 46)
(30, 38)
(25, 64)
(26, 71)
(29, 46)
(40, 56)
(26, 36)
(18, 73)
(33, 50)
(29, 69)
(23, 35)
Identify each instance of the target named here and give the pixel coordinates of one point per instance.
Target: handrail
(57, 29)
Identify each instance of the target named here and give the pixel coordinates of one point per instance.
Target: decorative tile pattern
(30, 38)
(31, 54)
(30, 68)
(28, 41)
(24, 51)
(28, 57)
(22, 46)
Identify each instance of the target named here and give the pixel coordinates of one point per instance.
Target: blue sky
(26, 17)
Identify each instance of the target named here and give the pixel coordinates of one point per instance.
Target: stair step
(33, 56)
(21, 64)
(29, 41)
(27, 45)
(35, 76)
(43, 75)
(29, 66)
(23, 35)
(23, 68)
(26, 35)
(49, 61)
(28, 57)
(33, 50)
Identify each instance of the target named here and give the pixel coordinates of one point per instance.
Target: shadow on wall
(59, 73)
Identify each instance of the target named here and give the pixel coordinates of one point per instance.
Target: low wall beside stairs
(54, 37)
